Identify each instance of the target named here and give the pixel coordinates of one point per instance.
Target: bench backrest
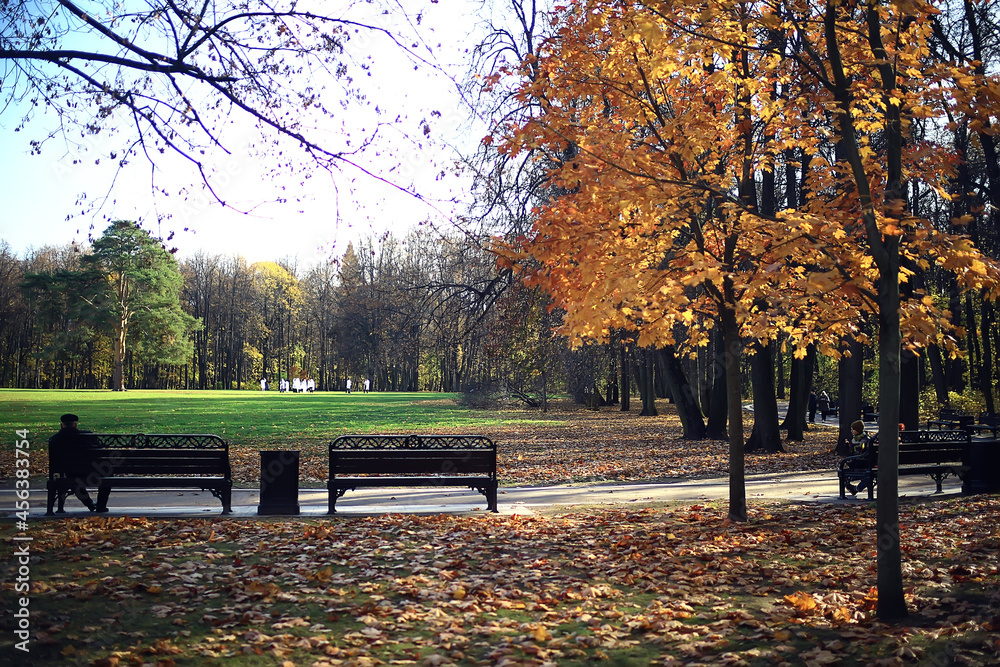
(413, 442)
(933, 446)
(145, 454)
(172, 441)
(413, 454)
(987, 419)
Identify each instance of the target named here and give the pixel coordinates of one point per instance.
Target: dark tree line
(408, 314)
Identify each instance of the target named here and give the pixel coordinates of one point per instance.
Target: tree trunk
(850, 383)
(646, 385)
(909, 391)
(625, 368)
(118, 350)
(800, 382)
(765, 434)
(891, 602)
(986, 384)
(718, 406)
(737, 475)
(683, 395)
(938, 374)
(954, 369)
(779, 368)
(885, 252)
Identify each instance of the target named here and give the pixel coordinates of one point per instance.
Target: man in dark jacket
(71, 443)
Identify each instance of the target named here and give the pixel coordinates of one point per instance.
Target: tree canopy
(132, 285)
(151, 79)
(663, 127)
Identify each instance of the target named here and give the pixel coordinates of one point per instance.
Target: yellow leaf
(802, 601)
(842, 615)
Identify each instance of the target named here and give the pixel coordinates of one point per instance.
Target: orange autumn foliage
(656, 125)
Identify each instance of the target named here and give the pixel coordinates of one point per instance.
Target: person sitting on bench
(70, 442)
(860, 444)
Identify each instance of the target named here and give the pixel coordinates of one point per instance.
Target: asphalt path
(812, 487)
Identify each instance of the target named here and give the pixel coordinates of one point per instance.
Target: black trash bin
(984, 467)
(279, 482)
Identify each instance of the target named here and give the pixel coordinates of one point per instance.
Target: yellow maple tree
(658, 123)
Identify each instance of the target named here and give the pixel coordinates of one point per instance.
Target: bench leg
(843, 487)
(50, 501)
(103, 493)
(938, 478)
(332, 495)
(225, 495)
(491, 498)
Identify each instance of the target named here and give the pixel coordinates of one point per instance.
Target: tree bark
(765, 434)
(885, 253)
(625, 368)
(986, 384)
(683, 394)
(909, 390)
(646, 385)
(850, 383)
(737, 475)
(800, 382)
(717, 406)
(938, 374)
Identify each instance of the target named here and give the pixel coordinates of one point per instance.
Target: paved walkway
(814, 487)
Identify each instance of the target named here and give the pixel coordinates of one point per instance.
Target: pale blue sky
(40, 193)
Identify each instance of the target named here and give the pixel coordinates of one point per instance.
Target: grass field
(567, 444)
(242, 417)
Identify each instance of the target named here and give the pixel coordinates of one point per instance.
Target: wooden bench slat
(422, 462)
(412, 460)
(423, 480)
(152, 482)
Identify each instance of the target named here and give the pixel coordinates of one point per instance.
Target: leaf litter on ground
(666, 585)
(670, 585)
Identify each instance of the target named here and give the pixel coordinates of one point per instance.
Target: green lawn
(242, 417)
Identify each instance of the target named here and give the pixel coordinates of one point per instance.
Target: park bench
(985, 422)
(143, 461)
(948, 418)
(937, 453)
(412, 460)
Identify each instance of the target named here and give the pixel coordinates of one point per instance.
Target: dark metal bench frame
(412, 460)
(145, 461)
(985, 422)
(937, 453)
